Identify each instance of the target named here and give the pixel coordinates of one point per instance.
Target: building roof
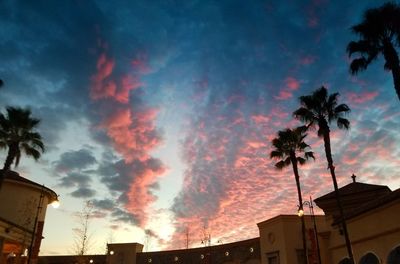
(373, 204)
(15, 177)
(354, 188)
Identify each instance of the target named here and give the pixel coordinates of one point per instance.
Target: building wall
(377, 231)
(20, 199)
(20, 202)
(123, 253)
(282, 235)
(246, 252)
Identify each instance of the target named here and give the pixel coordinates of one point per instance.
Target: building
(22, 214)
(373, 218)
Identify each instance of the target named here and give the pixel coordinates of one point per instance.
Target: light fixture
(111, 252)
(55, 204)
(91, 261)
(300, 212)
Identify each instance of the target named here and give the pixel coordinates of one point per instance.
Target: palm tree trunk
(396, 79)
(392, 60)
(12, 150)
(328, 152)
(303, 226)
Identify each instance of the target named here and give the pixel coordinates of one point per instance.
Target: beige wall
(283, 234)
(123, 253)
(18, 210)
(377, 231)
(20, 202)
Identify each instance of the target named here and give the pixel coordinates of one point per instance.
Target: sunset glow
(162, 112)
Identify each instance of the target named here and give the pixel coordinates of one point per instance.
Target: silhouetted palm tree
(318, 110)
(17, 133)
(287, 145)
(379, 33)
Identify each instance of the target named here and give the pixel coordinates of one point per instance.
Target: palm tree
(17, 133)
(286, 146)
(318, 110)
(379, 33)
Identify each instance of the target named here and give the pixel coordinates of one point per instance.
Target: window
(369, 258)
(273, 257)
(394, 256)
(345, 261)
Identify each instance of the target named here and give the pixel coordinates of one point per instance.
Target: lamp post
(55, 204)
(301, 213)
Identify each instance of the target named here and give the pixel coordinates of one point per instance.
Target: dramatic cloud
(126, 90)
(360, 98)
(70, 167)
(75, 179)
(129, 123)
(83, 192)
(75, 160)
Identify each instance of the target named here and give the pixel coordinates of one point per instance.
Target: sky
(161, 113)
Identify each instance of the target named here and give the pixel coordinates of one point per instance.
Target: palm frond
(301, 160)
(276, 154)
(304, 115)
(17, 129)
(309, 154)
(280, 165)
(343, 123)
(31, 152)
(342, 109)
(358, 65)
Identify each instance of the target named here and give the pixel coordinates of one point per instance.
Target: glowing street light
(300, 213)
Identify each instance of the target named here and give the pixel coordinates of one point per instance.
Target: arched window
(394, 256)
(369, 258)
(345, 261)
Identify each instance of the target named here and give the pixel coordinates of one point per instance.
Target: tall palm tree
(318, 110)
(379, 33)
(17, 134)
(286, 146)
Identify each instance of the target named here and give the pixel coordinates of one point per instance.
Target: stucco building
(22, 213)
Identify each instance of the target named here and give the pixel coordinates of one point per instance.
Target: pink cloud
(360, 98)
(291, 84)
(230, 179)
(102, 87)
(131, 129)
(105, 86)
(258, 119)
(140, 63)
(307, 60)
(284, 95)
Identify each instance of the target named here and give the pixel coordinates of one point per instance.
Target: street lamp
(300, 213)
(55, 203)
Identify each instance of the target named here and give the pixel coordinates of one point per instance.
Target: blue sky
(162, 112)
